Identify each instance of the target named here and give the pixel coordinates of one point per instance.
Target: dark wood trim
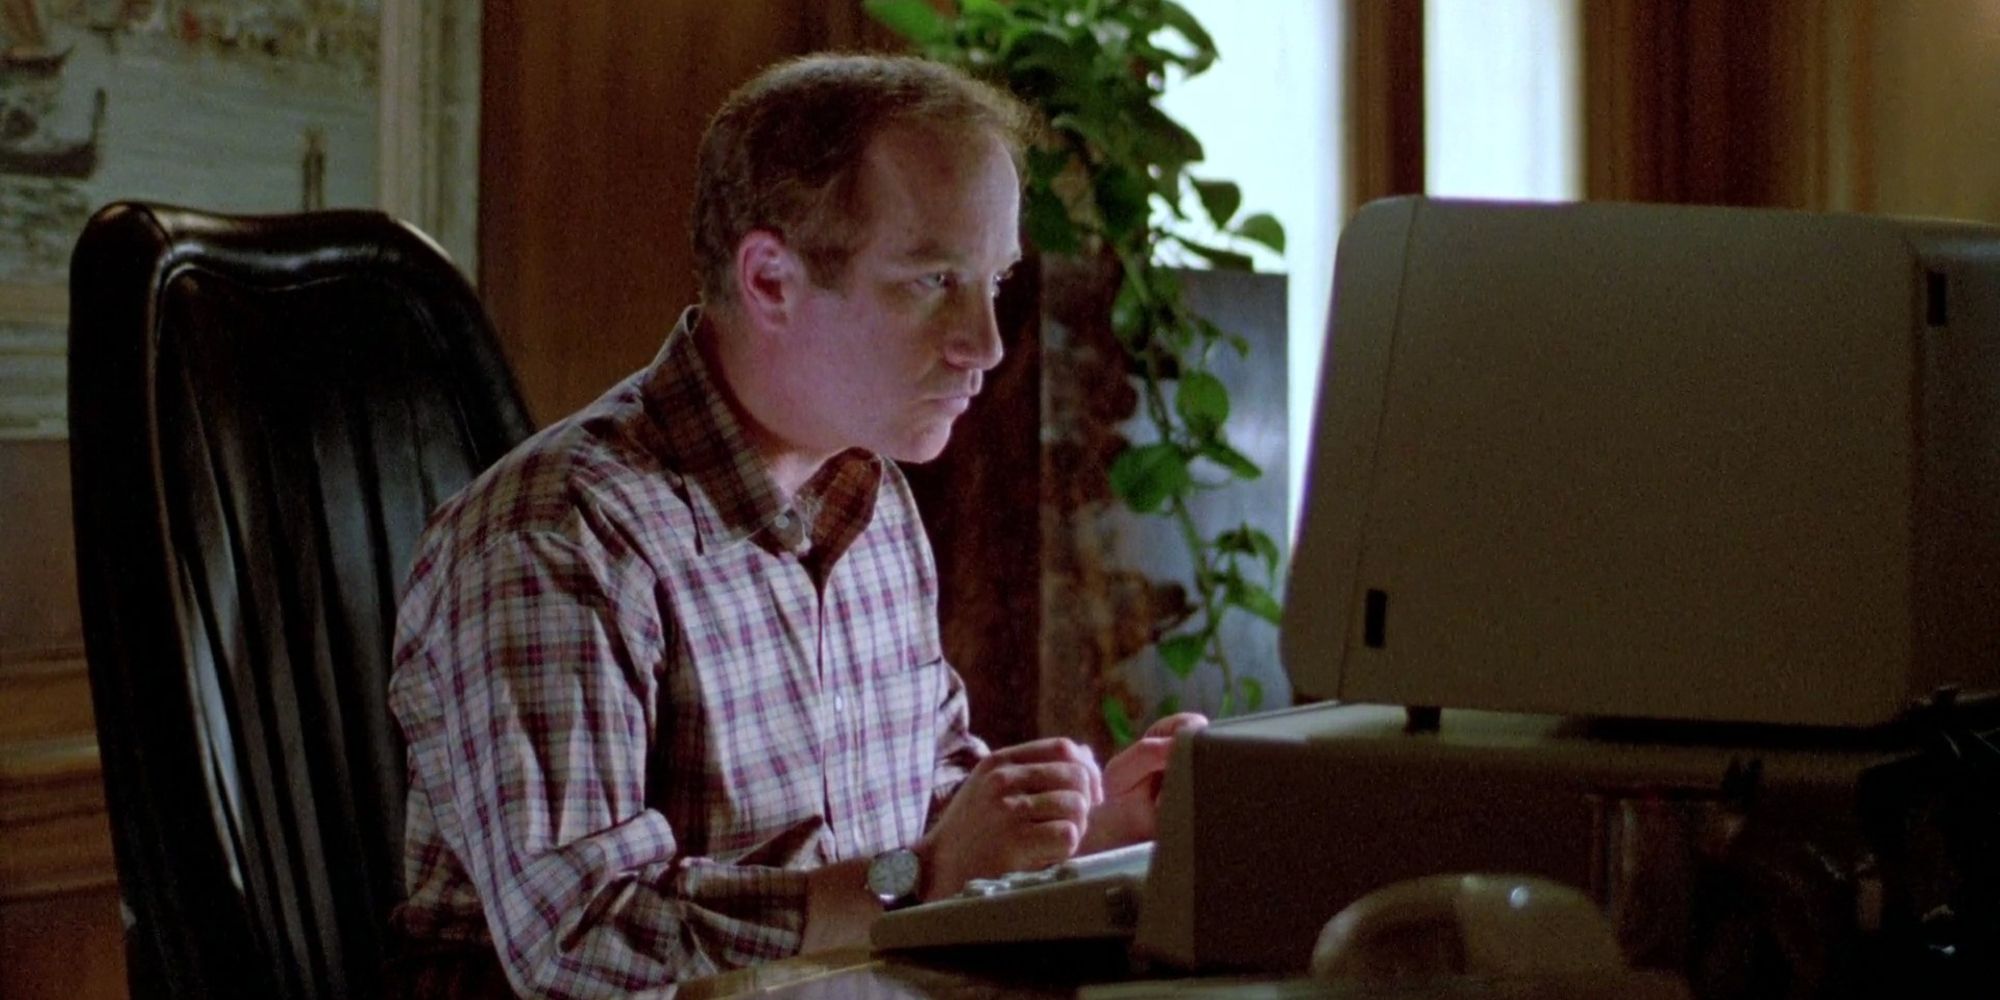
(66, 946)
(1385, 99)
(53, 819)
(44, 697)
(1860, 151)
(1700, 102)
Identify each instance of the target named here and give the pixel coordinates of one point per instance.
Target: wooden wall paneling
(1385, 99)
(52, 809)
(591, 117)
(60, 932)
(1848, 88)
(1933, 108)
(38, 609)
(44, 696)
(1700, 102)
(66, 946)
(1818, 47)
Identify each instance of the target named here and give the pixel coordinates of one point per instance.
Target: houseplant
(1111, 183)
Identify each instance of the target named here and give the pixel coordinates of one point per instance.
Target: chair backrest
(263, 412)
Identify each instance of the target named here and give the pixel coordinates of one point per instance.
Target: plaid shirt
(643, 695)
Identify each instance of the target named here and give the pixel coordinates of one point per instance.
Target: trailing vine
(1111, 179)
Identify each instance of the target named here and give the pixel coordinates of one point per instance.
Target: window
(1502, 102)
(1268, 115)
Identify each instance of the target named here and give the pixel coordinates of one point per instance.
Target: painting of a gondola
(26, 149)
(234, 105)
(29, 62)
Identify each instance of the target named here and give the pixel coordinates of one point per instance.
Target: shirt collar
(729, 490)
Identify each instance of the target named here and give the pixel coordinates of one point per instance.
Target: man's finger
(1045, 844)
(1052, 750)
(1134, 763)
(1064, 775)
(1067, 805)
(1034, 751)
(1172, 724)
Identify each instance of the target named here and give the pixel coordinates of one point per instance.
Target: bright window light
(1502, 102)
(1268, 116)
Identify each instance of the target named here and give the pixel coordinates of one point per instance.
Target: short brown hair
(784, 152)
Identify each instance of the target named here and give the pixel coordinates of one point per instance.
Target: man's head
(784, 154)
(853, 218)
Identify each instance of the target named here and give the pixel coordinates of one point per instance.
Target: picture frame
(424, 130)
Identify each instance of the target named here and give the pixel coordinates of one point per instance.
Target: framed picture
(248, 106)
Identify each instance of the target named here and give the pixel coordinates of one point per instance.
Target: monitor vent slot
(1375, 620)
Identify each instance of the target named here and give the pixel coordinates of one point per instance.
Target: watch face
(892, 876)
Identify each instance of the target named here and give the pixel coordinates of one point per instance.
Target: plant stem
(1198, 549)
(1212, 610)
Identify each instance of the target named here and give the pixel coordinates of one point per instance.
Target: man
(669, 673)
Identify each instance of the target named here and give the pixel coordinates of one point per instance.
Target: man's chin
(922, 448)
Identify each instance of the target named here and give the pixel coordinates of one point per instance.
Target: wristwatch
(894, 875)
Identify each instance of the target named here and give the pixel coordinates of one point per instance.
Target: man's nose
(975, 339)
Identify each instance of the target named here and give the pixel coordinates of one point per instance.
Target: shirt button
(839, 705)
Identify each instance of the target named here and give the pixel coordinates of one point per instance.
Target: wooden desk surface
(860, 975)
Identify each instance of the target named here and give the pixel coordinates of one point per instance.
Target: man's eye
(937, 281)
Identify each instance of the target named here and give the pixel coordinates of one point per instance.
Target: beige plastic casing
(1654, 461)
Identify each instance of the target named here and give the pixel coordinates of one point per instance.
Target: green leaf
(1203, 401)
(1063, 55)
(1181, 20)
(1045, 165)
(1253, 694)
(1169, 705)
(1144, 476)
(1226, 260)
(1240, 344)
(1250, 542)
(1267, 549)
(1121, 198)
(982, 11)
(1084, 132)
(1181, 653)
(1221, 199)
(1048, 224)
(1218, 451)
(1167, 184)
(1256, 600)
(1263, 228)
(915, 20)
(1159, 139)
(1118, 721)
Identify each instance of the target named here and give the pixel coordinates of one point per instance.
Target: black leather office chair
(263, 412)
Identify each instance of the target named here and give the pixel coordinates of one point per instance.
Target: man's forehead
(927, 248)
(913, 173)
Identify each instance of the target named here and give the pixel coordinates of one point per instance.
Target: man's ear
(768, 276)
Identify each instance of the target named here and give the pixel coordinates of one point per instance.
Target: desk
(860, 975)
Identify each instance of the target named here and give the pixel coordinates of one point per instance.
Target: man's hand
(1021, 808)
(1132, 786)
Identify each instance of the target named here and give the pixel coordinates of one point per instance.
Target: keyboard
(1094, 896)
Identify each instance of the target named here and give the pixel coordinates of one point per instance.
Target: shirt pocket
(897, 741)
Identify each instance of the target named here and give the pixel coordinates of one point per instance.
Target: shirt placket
(846, 782)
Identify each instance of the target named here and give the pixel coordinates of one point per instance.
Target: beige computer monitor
(1653, 461)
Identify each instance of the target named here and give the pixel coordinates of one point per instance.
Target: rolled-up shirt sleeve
(527, 693)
